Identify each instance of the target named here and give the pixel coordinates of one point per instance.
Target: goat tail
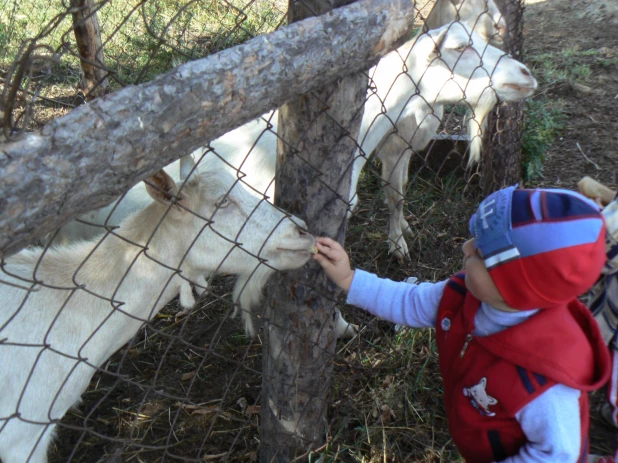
(477, 124)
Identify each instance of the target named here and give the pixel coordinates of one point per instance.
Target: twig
(586, 157)
(319, 449)
(214, 457)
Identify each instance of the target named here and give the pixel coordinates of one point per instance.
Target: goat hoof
(399, 251)
(187, 302)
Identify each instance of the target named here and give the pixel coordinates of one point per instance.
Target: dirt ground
(589, 143)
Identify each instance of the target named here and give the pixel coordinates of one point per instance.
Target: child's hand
(335, 262)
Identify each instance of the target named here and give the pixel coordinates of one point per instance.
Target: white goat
(444, 66)
(260, 181)
(64, 311)
(448, 65)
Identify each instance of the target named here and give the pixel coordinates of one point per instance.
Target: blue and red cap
(542, 248)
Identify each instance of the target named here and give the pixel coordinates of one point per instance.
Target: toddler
(517, 351)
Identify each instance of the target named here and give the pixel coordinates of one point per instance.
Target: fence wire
(132, 307)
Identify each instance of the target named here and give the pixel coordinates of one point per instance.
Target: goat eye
(461, 48)
(223, 202)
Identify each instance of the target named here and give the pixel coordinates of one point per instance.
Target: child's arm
(551, 422)
(402, 303)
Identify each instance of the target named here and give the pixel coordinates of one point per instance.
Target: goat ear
(187, 164)
(162, 188)
(435, 42)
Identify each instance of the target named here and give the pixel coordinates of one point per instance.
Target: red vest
(487, 380)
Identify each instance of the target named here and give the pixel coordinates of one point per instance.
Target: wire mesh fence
(132, 307)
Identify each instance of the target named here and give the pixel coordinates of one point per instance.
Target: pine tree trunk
(501, 162)
(313, 182)
(89, 44)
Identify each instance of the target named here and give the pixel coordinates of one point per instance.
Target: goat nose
(301, 231)
(525, 72)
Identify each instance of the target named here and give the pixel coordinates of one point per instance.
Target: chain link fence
(133, 306)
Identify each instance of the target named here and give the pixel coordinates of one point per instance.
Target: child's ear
(162, 188)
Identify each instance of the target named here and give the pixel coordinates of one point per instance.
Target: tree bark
(314, 168)
(90, 47)
(85, 159)
(501, 165)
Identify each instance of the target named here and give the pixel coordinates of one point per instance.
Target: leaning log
(85, 159)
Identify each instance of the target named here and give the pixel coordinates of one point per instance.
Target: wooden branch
(90, 46)
(85, 159)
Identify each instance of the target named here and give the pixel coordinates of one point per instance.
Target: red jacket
(487, 380)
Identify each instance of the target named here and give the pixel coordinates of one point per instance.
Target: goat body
(65, 310)
(259, 181)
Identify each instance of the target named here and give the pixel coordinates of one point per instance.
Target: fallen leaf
(191, 407)
(206, 410)
(387, 381)
(188, 376)
(252, 410)
(214, 457)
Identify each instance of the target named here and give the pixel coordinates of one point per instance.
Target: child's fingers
(331, 253)
(326, 241)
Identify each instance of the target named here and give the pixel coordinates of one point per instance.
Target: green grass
(543, 124)
(568, 66)
(141, 40)
(544, 117)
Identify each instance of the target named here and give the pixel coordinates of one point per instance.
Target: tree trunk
(313, 182)
(87, 158)
(89, 44)
(501, 165)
